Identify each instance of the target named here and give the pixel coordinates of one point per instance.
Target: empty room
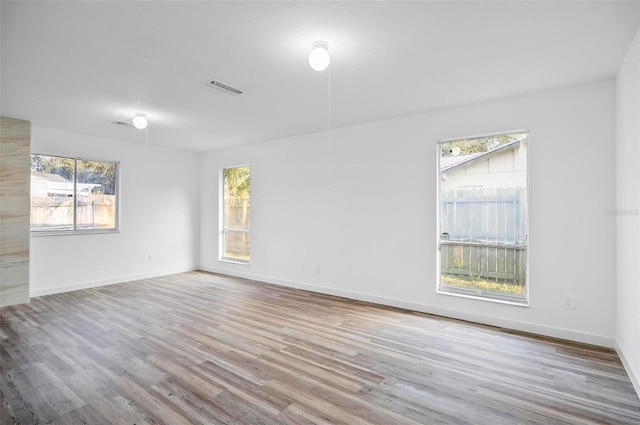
(320, 212)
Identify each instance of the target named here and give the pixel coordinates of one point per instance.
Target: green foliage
(482, 144)
(53, 165)
(237, 183)
(102, 173)
(478, 284)
(96, 172)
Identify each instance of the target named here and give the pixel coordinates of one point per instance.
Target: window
(235, 213)
(483, 217)
(73, 195)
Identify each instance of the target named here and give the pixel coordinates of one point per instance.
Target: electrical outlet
(317, 268)
(152, 258)
(303, 266)
(570, 302)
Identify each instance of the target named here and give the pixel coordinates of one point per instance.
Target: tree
(237, 183)
(482, 144)
(102, 173)
(53, 165)
(96, 172)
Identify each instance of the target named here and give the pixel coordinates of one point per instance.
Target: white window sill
(37, 233)
(232, 261)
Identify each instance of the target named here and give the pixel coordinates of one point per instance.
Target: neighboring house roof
(448, 163)
(58, 185)
(50, 177)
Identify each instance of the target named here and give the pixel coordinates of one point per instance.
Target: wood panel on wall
(15, 186)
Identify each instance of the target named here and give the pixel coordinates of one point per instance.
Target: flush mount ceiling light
(140, 121)
(319, 57)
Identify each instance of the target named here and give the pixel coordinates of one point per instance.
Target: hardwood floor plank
(115, 409)
(298, 415)
(241, 388)
(82, 416)
(196, 405)
(201, 348)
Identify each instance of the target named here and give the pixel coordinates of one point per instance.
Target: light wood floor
(198, 348)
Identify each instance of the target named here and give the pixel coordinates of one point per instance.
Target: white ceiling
(78, 66)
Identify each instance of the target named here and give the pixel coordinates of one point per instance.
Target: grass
(483, 285)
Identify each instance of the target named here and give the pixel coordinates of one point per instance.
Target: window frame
(75, 230)
(523, 301)
(221, 220)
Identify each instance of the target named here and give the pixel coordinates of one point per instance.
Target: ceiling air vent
(222, 87)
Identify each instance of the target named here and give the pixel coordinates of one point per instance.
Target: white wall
(627, 217)
(360, 202)
(159, 216)
(503, 169)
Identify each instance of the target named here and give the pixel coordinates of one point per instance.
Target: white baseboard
(533, 328)
(110, 281)
(633, 376)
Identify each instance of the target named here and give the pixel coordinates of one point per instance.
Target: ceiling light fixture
(140, 121)
(226, 88)
(319, 58)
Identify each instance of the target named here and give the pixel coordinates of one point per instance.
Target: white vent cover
(222, 87)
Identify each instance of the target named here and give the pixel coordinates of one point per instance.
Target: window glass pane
(483, 216)
(236, 213)
(96, 195)
(68, 194)
(51, 193)
(236, 245)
